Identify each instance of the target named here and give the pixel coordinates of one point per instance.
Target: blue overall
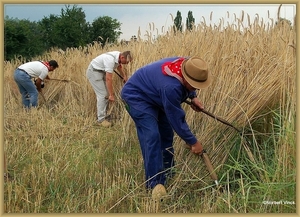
(153, 100)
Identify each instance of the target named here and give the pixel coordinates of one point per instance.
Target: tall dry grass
(61, 163)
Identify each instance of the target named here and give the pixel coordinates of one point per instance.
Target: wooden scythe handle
(209, 166)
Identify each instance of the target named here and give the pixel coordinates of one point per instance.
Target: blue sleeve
(193, 95)
(171, 99)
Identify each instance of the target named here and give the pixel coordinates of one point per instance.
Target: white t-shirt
(35, 69)
(107, 61)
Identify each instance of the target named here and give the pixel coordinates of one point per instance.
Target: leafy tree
(105, 29)
(133, 38)
(178, 22)
(22, 38)
(190, 21)
(68, 30)
(48, 26)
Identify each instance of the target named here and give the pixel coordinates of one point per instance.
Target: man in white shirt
(99, 74)
(24, 73)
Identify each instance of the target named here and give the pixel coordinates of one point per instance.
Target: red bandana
(173, 68)
(46, 64)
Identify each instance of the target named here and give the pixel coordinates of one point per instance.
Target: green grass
(97, 172)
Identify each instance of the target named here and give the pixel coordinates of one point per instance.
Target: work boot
(103, 123)
(158, 192)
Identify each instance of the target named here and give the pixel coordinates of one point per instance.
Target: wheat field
(59, 162)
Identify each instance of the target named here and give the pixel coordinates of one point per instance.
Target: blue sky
(134, 16)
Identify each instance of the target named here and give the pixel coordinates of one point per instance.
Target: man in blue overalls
(153, 97)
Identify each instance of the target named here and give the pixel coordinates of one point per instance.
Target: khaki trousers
(98, 82)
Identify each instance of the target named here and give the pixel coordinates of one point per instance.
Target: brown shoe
(158, 192)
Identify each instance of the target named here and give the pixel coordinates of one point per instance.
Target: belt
(97, 70)
(23, 71)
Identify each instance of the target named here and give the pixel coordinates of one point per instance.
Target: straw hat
(195, 72)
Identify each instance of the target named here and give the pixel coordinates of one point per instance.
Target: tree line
(27, 39)
(69, 29)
